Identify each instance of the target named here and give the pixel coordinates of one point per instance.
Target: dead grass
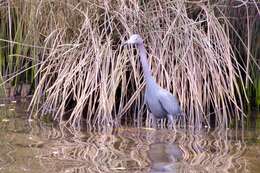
(84, 62)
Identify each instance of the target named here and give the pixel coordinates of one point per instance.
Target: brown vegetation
(85, 72)
(85, 63)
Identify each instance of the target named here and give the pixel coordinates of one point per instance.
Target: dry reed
(83, 62)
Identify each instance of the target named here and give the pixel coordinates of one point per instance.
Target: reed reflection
(147, 150)
(35, 146)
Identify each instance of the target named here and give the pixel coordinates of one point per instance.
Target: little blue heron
(160, 102)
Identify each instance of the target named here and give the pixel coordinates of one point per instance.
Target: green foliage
(253, 89)
(18, 39)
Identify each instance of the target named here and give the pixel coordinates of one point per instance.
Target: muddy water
(38, 147)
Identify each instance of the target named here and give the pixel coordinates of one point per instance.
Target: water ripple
(30, 146)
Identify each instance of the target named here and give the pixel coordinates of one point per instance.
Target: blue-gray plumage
(160, 102)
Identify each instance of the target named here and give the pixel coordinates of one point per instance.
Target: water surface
(38, 147)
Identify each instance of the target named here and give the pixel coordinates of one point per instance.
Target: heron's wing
(169, 102)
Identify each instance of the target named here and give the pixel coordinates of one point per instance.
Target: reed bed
(84, 71)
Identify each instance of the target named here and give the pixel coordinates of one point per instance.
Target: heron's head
(134, 39)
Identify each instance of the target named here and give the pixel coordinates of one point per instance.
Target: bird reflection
(164, 157)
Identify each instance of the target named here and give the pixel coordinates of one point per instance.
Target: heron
(159, 102)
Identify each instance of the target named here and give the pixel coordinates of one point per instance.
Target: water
(38, 147)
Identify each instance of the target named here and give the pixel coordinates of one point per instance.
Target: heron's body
(160, 102)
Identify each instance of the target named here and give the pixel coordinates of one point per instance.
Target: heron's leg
(147, 121)
(171, 122)
(153, 119)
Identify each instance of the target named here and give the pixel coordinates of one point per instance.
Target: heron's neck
(146, 69)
